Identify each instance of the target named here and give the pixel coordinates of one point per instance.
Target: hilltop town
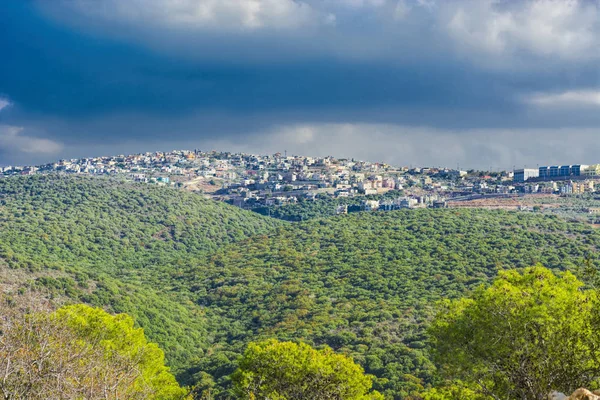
(251, 181)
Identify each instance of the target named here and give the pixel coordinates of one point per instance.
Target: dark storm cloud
(55, 71)
(105, 76)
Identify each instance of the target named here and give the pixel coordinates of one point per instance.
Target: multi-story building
(521, 175)
(562, 171)
(592, 170)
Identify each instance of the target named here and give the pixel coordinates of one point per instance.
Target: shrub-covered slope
(117, 245)
(204, 278)
(366, 283)
(103, 224)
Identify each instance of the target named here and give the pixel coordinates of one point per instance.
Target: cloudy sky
(479, 83)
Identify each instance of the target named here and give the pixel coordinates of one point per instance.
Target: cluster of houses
(561, 187)
(399, 203)
(250, 180)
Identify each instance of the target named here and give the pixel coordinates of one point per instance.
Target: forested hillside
(366, 283)
(204, 279)
(321, 206)
(117, 245)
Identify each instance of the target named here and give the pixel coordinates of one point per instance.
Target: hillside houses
(250, 180)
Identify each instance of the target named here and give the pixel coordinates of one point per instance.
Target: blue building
(561, 172)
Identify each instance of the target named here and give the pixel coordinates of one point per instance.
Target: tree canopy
(296, 371)
(78, 352)
(120, 341)
(525, 336)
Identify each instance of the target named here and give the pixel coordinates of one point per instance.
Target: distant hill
(204, 278)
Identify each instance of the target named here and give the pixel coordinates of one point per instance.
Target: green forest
(205, 279)
(321, 206)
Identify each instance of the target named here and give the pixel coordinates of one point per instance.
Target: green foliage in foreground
(525, 336)
(77, 352)
(454, 390)
(295, 371)
(117, 336)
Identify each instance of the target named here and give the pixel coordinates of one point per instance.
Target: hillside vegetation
(77, 352)
(366, 283)
(117, 245)
(204, 279)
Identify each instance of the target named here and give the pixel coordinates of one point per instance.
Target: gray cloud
(14, 141)
(4, 103)
(566, 29)
(475, 29)
(497, 148)
(570, 99)
(406, 145)
(229, 15)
